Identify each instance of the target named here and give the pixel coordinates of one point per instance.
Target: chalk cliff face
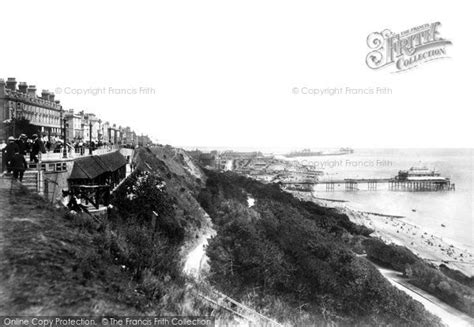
(292, 260)
(184, 180)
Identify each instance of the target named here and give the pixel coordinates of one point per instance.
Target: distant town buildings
(20, 100)
(228, 160)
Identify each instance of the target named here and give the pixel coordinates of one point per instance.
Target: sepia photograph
(236, 163)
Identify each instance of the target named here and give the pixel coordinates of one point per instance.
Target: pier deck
(408, 185)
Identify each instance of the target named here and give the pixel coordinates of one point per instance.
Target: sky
(224, 73)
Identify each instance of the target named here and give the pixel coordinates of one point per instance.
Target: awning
(92, 166)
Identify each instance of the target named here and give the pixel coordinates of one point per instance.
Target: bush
(291, 250)
(457, 276)
(144, 198)
(393, 256)
(450, 291)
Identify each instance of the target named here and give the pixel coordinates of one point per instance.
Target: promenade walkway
(449, 315)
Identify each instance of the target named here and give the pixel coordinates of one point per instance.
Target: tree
(22, 126)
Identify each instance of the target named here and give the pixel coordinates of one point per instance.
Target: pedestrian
(9, 151)
(18, 165)
(36, 148)
(3, 145)
(74, 204)
(23, 144)
(48, 145)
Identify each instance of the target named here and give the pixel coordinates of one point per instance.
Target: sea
(448, 214)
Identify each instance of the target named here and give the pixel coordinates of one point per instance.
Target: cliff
(291, 260)
(56, 262)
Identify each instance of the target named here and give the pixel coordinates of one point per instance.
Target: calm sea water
(430, 210)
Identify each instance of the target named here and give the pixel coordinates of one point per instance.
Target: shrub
(294, 251)
(450, 291)
(394, 256)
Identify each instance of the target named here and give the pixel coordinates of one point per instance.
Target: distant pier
(426, 184)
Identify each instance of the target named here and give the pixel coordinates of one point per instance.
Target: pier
(354, 184)
(426, 184)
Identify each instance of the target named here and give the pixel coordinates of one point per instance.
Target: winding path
(196, 264)
(196, 260)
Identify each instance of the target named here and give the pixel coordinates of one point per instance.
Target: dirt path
(196, 261)
(448, 314)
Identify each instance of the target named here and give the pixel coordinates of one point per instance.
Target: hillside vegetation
(294, 260)
(450, 286)
(291, 260)
(59, 262)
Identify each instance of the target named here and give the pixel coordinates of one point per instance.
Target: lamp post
(90, 137)
(63, 130)
(99, 132)
(13, 127)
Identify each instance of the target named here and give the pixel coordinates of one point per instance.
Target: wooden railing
(223, 301)
(76, 153)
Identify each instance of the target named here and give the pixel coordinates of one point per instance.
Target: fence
(76, 153)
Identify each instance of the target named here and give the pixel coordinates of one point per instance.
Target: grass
(52, 266)
(54, 262)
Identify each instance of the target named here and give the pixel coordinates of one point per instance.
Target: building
(93, 124)
(127, 137)
(19, 100)
(104, 130)
(22, 102)
(74, 130)
(133, 139)
(143, 140)
(113, 134)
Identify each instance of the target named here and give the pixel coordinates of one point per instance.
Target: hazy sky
(222, 73)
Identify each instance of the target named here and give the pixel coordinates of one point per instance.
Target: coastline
(396, 230)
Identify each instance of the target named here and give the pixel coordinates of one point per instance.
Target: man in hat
(9, 152)
(18, 165)
(23, 144)
(36, 148)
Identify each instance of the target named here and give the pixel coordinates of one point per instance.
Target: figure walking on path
(36, 148)
(23, 144)
(9, 151)
(18, 165)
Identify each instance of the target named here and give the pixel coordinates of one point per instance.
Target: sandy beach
(396, 230)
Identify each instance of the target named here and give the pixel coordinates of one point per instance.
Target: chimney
(45, 94)
(51, 97)
(23, 87)
(11, 83)
(32, 91)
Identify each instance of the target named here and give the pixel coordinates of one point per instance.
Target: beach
(398, 231)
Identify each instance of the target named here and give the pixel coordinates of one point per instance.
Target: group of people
(15, 150)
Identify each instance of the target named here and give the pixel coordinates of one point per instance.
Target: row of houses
(20, 100)
(227, 160)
